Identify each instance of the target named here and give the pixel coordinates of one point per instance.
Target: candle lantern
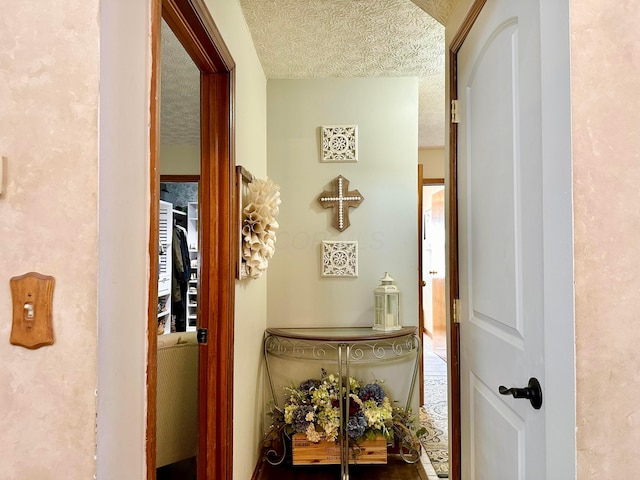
(386, 305)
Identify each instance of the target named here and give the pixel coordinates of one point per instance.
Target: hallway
(434, 413)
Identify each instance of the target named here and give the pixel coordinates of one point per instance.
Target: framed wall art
(339, 143)
(339, 258)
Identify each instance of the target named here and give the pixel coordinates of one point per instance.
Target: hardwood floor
(395, 469)
(184, 470)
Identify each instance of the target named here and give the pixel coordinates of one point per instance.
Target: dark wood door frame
(454, 282)
(194, 27)
(180, 178)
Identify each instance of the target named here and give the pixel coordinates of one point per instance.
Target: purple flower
(357, 425)
(300, 422)
(308, 385)
(372, 391)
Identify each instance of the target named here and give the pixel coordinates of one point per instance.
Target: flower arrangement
(313, 409)
(259, 225)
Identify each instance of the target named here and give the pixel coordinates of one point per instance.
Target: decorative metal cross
(340, 199)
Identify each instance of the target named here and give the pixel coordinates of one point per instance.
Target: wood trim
(420, 280)
(218, 268)
(193, 25)
(180, 178)
(195, 29)
(154, 214)
(465, 26)
(205, 363)
(433, 181)
(454, 281)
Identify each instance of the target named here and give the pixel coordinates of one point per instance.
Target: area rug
(433, 417)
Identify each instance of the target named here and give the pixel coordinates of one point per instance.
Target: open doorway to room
(178, 268)
(177, 352)
(434, 268)
(434, 387)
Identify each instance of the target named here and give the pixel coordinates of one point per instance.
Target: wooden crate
(328, 453)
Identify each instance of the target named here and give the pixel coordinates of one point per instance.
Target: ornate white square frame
(339, 143)
(339, 258)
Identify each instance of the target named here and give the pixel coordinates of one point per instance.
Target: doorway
(434, 382)
(177, 353)
(434, 266)
(196, 31)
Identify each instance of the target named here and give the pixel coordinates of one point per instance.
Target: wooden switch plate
(32, 297)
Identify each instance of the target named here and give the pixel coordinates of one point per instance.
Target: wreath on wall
(259, 226)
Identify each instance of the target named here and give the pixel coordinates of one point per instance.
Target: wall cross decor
(340, 199)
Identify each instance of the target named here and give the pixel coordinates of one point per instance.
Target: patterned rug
(433, 416)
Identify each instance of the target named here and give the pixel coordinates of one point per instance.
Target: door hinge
(454, 112)
(456, 310)
(202, 335)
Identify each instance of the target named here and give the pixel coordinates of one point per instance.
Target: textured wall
(606, 147)
(49, 95)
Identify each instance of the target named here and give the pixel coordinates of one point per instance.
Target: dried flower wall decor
(259, 225)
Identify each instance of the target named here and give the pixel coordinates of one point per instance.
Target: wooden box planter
(366, 452)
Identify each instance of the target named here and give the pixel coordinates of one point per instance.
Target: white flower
(312, 435)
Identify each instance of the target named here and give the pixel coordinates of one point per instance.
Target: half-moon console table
(344, 346)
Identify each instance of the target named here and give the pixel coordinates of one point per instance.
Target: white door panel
(498, 435)
(500, 242)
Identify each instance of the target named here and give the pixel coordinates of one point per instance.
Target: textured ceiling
(356, 38)
(324, 39)
(179, 93)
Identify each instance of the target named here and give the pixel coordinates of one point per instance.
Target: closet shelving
(192, 242)
(164, 266)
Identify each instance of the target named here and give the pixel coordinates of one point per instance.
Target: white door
(500, 242)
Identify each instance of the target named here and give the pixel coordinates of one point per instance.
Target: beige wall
(385, 223)
(606, 151)
(176, 159)
(433, 161)
(49, 95)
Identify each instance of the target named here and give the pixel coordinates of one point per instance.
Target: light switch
(32, 296)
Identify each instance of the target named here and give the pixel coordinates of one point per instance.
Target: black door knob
(533, 392)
